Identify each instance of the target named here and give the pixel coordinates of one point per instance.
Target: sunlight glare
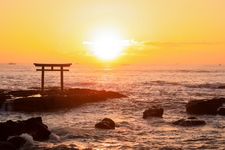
(107, 45)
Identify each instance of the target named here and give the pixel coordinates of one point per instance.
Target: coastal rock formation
(32, 126)
(201, 107)
(106, 123)
(154, 111)
(189, 122)
(50, 100)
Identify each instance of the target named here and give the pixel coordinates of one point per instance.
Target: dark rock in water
(154, 111)
(170, 148)
(7, 146)
(221, 111)
(32, 126)
(221, 87)
(17, 141)
(55, 100)
(191, 121)
(192, 117)
(106, 123)
(201, 107)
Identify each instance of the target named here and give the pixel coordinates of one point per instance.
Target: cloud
(175, 44)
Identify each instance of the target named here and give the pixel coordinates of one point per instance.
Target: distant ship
(11, 63)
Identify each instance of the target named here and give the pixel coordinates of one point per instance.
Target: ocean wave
(207, 85)
(161, 83)
(217, 85)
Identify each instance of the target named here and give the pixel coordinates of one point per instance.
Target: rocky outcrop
(154, 111)
(201, 107)
(51, 100)
(32, 126)
(106, 123)
(189, 122)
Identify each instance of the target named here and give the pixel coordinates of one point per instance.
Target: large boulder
(106, 123)
(154, 111)
(189, 122)
(202, 107)
(32, 126)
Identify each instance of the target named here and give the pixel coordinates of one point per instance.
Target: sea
(170, 86)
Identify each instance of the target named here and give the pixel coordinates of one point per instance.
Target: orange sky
(169, 32)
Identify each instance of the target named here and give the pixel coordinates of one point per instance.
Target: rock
(191, 121)
(6, 146)
(221, 111)
(154, 111)
(201, 107)
(170, 148)
(106, 123)
(192, 117)
(32, 126)
(17, 141)
(53, 100)
(221, 87)
(23, 93)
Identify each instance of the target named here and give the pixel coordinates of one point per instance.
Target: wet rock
(221, 111)
(52, 101)
(6, 146)
(191, 121)
(201, 107)
(23, 93)
(106, 123)
(17, 141)
(154, 111)
(32, 126)
(221, 87)
(192, 117)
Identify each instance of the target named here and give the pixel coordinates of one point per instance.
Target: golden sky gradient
(166, 31)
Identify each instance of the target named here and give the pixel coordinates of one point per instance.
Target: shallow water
(169, 86)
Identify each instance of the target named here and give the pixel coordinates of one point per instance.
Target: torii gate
(51, 67)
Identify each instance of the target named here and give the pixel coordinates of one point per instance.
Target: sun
(107, 45)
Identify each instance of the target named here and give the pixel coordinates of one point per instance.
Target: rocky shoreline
(52, 100)
(11, 131)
